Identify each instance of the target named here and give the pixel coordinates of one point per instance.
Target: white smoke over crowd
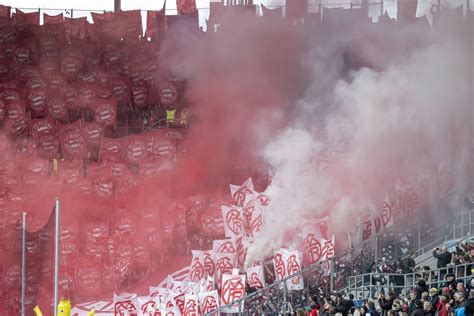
(368, 129)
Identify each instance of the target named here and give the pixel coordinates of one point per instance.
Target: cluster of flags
(218, 276)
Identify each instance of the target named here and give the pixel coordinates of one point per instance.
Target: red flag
(37, 102)
(136, 149)
(120, 87)
(5, 11)
(93, 133)
(47, 146)
(155, 23)
(105, 111)
(31, 18)
(112, 149)
(57, 109)
(406, 11)
(273, 13)
(73, 144)
(76, 28)
(140, 96)
(41, 127)
(186, 6)
(129, 23)
(216, 12)
(20, 125)
(296, 9)
(53, 19)
(107, 16)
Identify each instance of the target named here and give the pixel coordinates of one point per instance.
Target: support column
(117, 5)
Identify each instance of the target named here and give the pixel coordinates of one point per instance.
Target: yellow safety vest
(170, 115)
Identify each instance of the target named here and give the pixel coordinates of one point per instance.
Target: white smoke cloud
(379, 126)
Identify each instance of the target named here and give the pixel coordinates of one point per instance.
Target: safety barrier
(277, 298)
(370, 285)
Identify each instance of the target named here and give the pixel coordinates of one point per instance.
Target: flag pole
(23, 262)
(56, 257)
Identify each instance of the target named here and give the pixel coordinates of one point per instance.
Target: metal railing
(370, 285)
(277, 297)
(461, 226)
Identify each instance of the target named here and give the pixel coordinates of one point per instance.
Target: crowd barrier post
(331, 274)
(23, 262)
(56, 258)
(418, 236)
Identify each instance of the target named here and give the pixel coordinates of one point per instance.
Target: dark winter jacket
(418, 311)
(469, 311)
(385, 305)
(373, 312)
(443, 259)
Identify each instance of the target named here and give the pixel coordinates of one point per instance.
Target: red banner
(47, 146)
(94, 132)
(186, 6)
(41, 127)
(31, 18)
(101, 16)
(155, 23)
(120, 89)
(140, 96)
(5, 11)
(75, 28)
(130, 24)
(57, 109)
(105, 111)
(53, 19)
(73, 144)
(37, 102)
(136, 149)
(87, 276)
(296, 9)
(18, 126)
(112, 149)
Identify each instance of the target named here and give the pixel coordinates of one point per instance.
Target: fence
(461, 225)
(370, 285)
(276, 298)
